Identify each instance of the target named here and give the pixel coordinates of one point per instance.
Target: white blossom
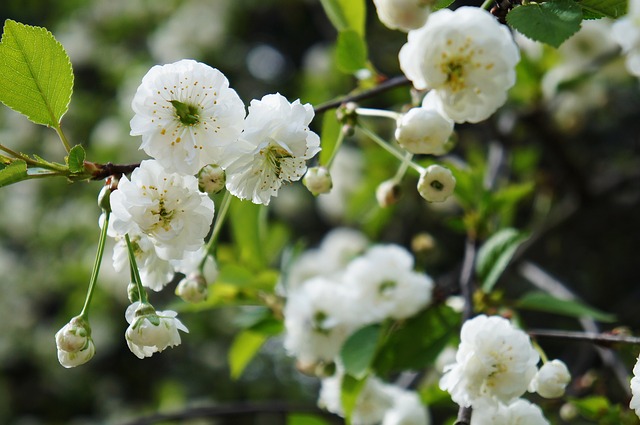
(318, 180)
(626, 32)
(211, 179)
(186, 113)
(406, 408)
(403, 15)
(74, 336)
(423, 131)
(495, 361)
(551, 379)
(192, 288)
(635, 388)
(466, 57)
(520, 412)
(151, 331)
(386, 284)
(167, 207)
(319, 316)
(370, 407)
(436, 183)
(70, 359)
(273, 148)
(155, 272)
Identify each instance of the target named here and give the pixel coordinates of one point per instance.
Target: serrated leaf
(244, 348)
(349, 392)
(494, 255)
(359, 349)
(13, 173)
(541, 301)
(346, 14)
(75, 159)
(593, 9)
(36, 78)
(351, 52)
(551, 22)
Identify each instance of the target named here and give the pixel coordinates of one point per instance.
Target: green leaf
(495, 254)
(358, 351)
(541, 301)
(441, 4)
(244, 348)
(75, 159)
(305, 419)
(411, 347)
(601, 8)
(350, 391)
(329, 136)
(346, 14)
(351, 52)
(13, 173)
(36, 78)
(245, 220)
(551, 22)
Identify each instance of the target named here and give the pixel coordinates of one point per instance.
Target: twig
(105, 170)
(596, 338)
(384, 86)
(464, 416)
(234, 410)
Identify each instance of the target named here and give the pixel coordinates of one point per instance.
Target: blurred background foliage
(568, 155)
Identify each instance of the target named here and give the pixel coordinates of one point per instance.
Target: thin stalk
(136, 273)
(383, 144)
(96, 267)
(18, 155)
(336, 148)
(217, 226)
(369, 112)
(487, 4)
(63, 138)
(404, 166)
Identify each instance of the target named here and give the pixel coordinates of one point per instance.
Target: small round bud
(424, 131)
(74, 336)
(423, 243)
(211, 179)
(436, 183)
(568, 412)
(132, 292)
(403, 15)
(69, 359)
(318, 180)
(551, 379)
(193, 288)
(388, 193)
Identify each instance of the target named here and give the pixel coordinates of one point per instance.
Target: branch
(233, 410)
(605, 339)
(102, 171)
(381, 88)
(464, 416)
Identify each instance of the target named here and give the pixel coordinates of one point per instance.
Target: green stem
(336, 148)
(63, 138)
(134, 269)
(217, 226)
(408, 156)
(18, 155)
(378, 113)
(383, 144)
(487, 4)
(96, 267)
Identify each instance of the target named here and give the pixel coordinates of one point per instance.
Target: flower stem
(378, 113)
(134, 271)
(96, 266)
(408, 156)
(217, 226)
(383, 144)
(487, 4)
(63, 138)
(336, 148)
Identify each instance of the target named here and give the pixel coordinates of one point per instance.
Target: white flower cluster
(495, 365)
(626, 32)
(635, 388)
(377, 403)
(331, 294)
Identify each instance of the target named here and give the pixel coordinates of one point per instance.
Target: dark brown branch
(235, 410)
(382, 87)
(464, 416)
(605, 339)
(102, 171)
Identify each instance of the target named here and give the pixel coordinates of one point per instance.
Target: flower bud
(436, 183)
(211, 179)
(132, 292)
(551, 379)
(387, 193)
(318, 180)
(424, 131)
(69, 360)
(74, 336)
(193, 288)
(404, 15)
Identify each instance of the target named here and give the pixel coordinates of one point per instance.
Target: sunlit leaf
(13, 173)
(603, 8)
(359, 350)
(346, 14)
(244, 348)
(75, 159)
(541, 301)
(495, 254)
(350, 391)
(351, 51)
(550, 22)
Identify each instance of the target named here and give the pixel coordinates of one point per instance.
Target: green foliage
(13, 172)
(246, 229)
(329, 136)
(495, 254)
(541, 301)
(349, 392)
(600, 410)
(550, 22)
(416, 342)
(346, 14)
(359, 350)
(593, 9)
(302, 419)
(36, 78)
(75, 159)
(351, 52)
(441, 4)
(244, 348)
